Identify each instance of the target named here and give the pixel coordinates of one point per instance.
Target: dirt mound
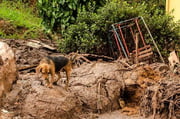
(94, 87)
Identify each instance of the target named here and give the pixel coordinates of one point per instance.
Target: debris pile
(147, 77)
(96, 88)
(162, 100)
(136, 82)
(29, 52)
(97, 85)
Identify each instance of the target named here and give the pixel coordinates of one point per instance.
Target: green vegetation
(21, 20)
(90, 31)
(58, 14)
(84, 25)
(19, 14)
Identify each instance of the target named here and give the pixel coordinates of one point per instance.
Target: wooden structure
(137, 47)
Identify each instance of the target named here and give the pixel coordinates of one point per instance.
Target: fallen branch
(26, 67)
(125, 64)
(95, 57)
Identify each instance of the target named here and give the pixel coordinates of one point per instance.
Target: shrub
(58, 14)
(90, 32)
(97, 25)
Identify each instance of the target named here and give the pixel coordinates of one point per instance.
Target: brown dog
(53, 65)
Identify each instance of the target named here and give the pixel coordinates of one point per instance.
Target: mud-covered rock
(55, 103)
(99, 86)
(96, 88)
(30, 99)
(8, 70)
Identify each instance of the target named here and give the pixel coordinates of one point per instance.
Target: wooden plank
(145, 55)
(139, 49)
(144, 52)
(22, 68)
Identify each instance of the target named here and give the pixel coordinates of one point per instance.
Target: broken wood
(125, 64)
(39, 44)
(80, 58)
(162, 100)
(33, 44)
(136, 43)
(22, 68)
(95, 57)
(85, 59)
(173, 60)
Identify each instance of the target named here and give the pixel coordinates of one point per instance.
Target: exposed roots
(162, 100)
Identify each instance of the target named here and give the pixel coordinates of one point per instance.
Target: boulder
(98, 85)
(8, 69)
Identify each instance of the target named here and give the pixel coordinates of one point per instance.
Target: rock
(173, 60)
(8, 70)
(99, 86)
(30, 99)
(45, 103)
(130, 82)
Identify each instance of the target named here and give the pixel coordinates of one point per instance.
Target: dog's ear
(48, 69)
(38, 69)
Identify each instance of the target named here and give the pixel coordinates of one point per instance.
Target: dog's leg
(59, 76)
(68, 72)
(67, 82)
(51, 80)
(47, 82)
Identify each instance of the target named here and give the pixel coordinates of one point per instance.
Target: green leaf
(70, 6)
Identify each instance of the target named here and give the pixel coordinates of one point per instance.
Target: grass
(19, 14)
(24, 21)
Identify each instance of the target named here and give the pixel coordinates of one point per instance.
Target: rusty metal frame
(120, 39)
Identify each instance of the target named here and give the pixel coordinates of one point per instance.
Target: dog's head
(44, 69)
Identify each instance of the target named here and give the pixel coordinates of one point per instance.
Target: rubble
(162, 100)
(98, 85)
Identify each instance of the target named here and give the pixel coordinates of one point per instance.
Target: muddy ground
(98, 89)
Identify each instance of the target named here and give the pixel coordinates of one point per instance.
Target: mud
(91, 90)
(96, 89)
